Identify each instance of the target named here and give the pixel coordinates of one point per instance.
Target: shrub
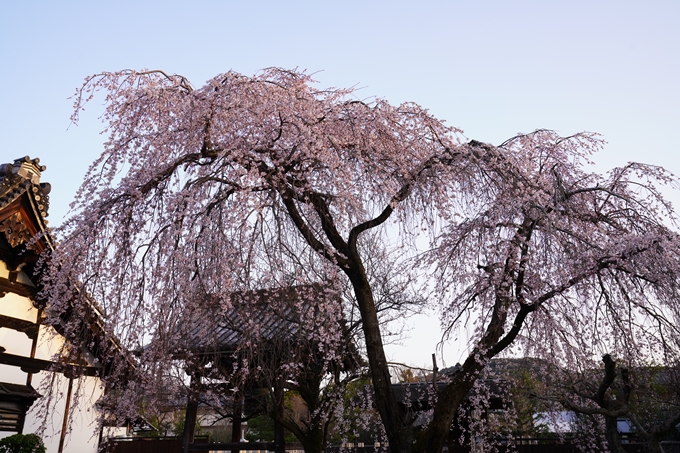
(22, 443)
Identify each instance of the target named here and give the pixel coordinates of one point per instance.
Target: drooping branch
(308, 234)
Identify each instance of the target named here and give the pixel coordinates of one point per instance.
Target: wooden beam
(32, 365)
(21, 289)
(20, 325)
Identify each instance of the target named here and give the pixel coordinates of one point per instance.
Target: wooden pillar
(279, 437)
(192, 412)
(101, 428)
(100, 438)
(67, 409)
(236, 419)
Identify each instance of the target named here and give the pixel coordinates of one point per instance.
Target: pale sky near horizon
(491, 68)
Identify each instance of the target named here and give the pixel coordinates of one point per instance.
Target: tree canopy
(250, 183)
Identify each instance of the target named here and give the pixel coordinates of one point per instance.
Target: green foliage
(22, 443)
(526, 384)
(219, 434)
(178, 420)
(165, 426)
(262, 428)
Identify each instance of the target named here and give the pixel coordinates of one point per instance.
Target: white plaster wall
(15, 342)
(83, 435)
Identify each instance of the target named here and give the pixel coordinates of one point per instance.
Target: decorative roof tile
(23, 176)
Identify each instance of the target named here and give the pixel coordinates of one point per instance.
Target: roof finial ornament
(29, 168)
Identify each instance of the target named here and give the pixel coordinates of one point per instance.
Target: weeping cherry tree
(250, 183)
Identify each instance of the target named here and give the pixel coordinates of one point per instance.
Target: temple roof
(278, 320)
(273, 314)
(24, 203)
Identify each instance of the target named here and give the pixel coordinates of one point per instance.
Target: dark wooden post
(236, 421)
(192, 412)
(67, 409)
(101, 437)
(279, 437)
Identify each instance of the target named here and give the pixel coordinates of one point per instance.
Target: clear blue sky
(492, 68)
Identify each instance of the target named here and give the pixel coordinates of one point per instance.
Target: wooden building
(27, 348)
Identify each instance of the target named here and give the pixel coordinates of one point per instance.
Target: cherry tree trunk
(398, 433)
(612, 434)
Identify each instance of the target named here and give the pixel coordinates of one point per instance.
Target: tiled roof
(23, 176)
(18, 390)
(265, 315)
